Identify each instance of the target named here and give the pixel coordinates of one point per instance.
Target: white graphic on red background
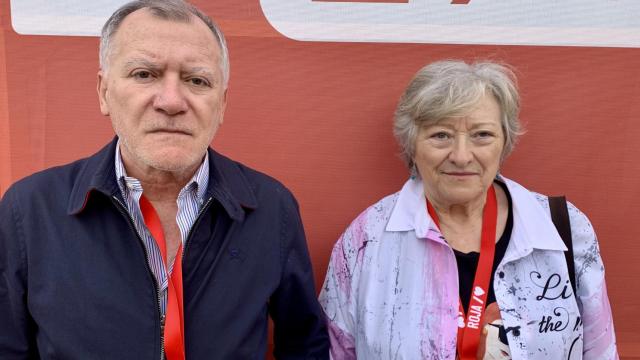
(513, 22)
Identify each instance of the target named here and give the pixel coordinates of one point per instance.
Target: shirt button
(501, 274)
(516, 332)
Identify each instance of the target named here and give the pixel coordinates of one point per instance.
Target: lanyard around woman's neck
(469, 326)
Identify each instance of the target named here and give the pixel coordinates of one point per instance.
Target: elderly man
(156, 246)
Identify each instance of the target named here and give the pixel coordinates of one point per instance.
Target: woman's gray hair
(451, 88)
(175, 10)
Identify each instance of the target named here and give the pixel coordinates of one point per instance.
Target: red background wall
(318, 117)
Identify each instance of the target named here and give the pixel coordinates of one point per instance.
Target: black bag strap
(560, 218)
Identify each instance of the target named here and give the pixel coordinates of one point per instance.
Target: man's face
(163, 89)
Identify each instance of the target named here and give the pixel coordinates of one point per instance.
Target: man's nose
(170, 98)
(461, 153)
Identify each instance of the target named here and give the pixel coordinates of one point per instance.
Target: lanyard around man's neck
(174, 318)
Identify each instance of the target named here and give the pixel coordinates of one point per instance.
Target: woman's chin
(463, 194)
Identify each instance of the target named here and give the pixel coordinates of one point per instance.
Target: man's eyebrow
(200, 70)
(135, 62)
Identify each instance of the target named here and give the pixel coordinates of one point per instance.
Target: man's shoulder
(55, 184)
(56, 178)
(260, 183)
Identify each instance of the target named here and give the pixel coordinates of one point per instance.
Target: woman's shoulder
(375, 217)
(366, 229)
(579, 221)
(586, 250)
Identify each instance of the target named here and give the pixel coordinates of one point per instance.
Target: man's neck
(159, 185)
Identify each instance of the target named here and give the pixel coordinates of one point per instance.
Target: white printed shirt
(391, 290)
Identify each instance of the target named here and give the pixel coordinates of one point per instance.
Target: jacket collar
(230, 186)
(410, 213)
(97, 174)
(227, 182)
(532, 225)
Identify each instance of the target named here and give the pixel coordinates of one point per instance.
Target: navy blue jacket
(75, 283)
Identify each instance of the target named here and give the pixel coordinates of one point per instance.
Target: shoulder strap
(560, 217)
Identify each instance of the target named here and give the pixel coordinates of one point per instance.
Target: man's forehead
(146, 20)
(148, 54)
(145, 17)
(153, 62)
(142, 37)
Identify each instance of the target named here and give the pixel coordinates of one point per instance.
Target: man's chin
(176, 163)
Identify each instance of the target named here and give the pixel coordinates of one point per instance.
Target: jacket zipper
(126, 214)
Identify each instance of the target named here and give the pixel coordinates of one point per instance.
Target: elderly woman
(463, 262)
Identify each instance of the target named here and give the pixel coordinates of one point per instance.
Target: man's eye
(142, 74)
(199, 82)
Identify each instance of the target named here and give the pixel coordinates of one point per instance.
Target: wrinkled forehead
(147, 19)
(139, 28)
(483, 107)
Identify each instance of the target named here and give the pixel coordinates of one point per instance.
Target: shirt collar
(532, 225)
(231, 183)
(197, 183)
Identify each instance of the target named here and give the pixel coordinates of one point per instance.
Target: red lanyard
(174, 318)
(469, 326)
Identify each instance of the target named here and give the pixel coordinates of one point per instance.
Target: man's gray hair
(175, 10)
(451, 88)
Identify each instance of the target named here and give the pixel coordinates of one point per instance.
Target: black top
(468, 262)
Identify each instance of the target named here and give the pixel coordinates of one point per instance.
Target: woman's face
(459, 157)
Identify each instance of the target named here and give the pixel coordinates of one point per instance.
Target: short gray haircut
(450, 88)
(174, 10)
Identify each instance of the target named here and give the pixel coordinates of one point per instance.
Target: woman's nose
(461, 153)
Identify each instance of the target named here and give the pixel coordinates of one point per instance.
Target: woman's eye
(483, 134)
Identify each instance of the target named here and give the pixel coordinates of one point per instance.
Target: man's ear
(224, 106)
(102, 93)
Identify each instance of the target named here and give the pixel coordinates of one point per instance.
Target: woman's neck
(461, 224)
(458, 213)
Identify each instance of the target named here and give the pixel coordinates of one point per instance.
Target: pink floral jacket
(391, 291)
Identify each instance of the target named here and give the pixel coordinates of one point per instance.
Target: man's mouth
(170, 131)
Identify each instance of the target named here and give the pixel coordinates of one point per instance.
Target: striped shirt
(190, 200)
